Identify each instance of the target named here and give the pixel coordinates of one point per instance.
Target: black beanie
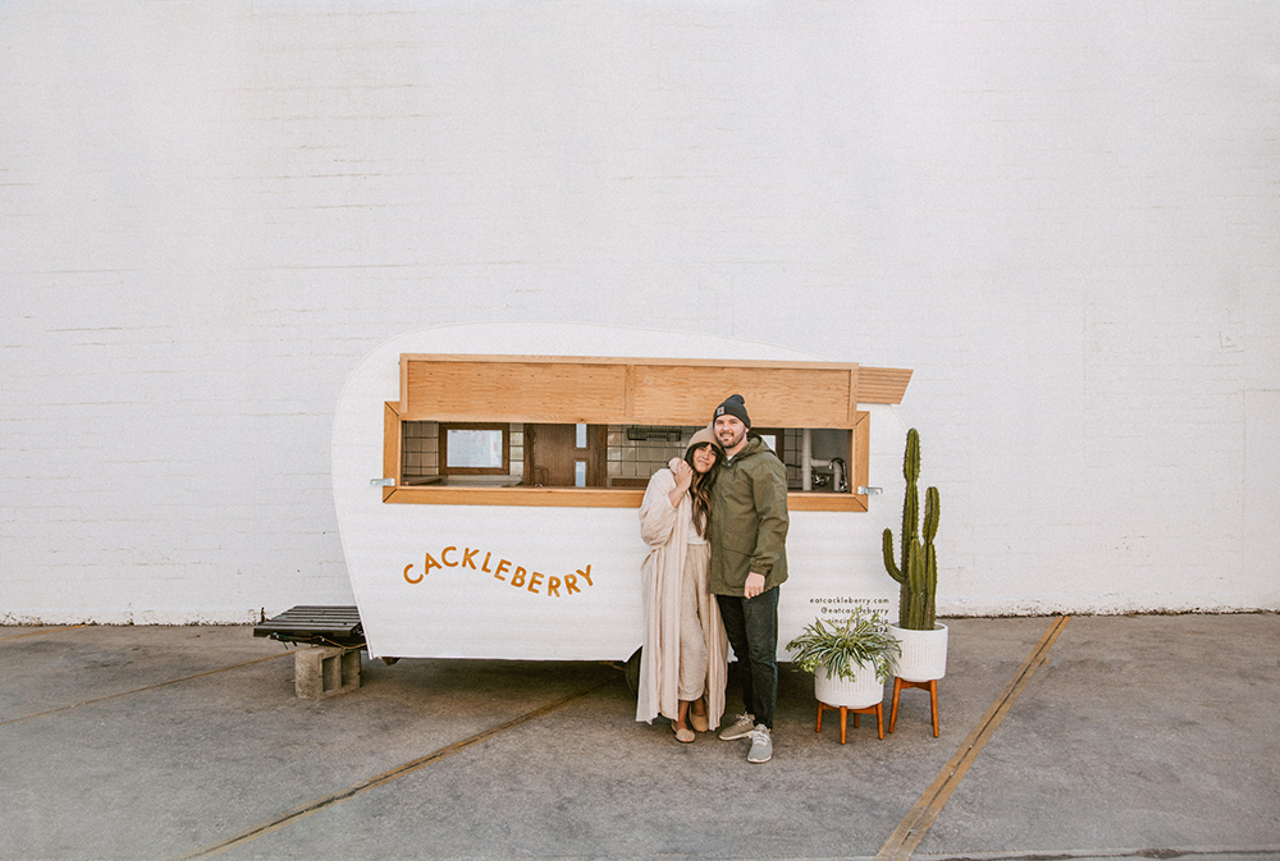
(733, 406)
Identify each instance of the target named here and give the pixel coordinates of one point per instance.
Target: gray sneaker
(741, 727)
(761, 745)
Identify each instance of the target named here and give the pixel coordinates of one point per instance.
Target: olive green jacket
(748, 529)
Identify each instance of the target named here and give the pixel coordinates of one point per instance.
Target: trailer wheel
(633, 671)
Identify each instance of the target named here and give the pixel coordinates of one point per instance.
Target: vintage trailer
(488, 477)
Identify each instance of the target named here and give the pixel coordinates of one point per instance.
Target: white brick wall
(1063, 215)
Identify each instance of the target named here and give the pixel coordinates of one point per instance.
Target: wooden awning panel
(564, 389)
(446, 389)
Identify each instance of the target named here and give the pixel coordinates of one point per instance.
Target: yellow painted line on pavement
(911, 830)
(39, 633)
(142, 689)
(264, 828)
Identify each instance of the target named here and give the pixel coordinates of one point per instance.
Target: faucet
(839, 475)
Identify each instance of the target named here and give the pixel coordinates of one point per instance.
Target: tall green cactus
(918, 574)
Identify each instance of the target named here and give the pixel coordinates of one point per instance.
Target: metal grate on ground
(316, 625)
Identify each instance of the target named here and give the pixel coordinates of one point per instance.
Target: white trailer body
(559, 583)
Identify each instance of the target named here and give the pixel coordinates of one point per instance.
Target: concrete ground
(1136, 737)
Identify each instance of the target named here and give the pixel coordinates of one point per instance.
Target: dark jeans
(752, 627)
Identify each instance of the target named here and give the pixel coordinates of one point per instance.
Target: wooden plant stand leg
(845, 711)
(931, 686)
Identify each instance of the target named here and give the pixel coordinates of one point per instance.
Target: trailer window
(475, 449)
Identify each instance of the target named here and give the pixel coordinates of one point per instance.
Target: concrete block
(325, 671)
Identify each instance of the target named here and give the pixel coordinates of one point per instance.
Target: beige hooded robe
(666, 530)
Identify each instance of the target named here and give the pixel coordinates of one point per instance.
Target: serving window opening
(491, 455)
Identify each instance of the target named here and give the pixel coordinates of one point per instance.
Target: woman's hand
(683, 474)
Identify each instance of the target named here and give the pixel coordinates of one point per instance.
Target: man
(748, 533)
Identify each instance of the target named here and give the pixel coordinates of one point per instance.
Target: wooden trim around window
(591, 497)
(392, 443)
(601, 391)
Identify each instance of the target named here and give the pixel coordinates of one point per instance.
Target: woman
(684, 659)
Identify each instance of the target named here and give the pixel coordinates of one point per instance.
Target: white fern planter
(864, 691)
(924, 653)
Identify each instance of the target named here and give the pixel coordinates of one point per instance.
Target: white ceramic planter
(862, 692)
(924, 653)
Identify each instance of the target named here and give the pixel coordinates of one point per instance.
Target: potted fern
(924, 641)
(850, 659)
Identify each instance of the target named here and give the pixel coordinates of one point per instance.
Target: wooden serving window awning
(629, 391)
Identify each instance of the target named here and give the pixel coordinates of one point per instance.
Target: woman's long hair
(700, 489)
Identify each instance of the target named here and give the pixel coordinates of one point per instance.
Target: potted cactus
(924, 641)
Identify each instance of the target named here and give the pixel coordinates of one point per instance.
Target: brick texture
(1063, 215)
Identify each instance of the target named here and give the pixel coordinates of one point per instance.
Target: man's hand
(755, 585)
